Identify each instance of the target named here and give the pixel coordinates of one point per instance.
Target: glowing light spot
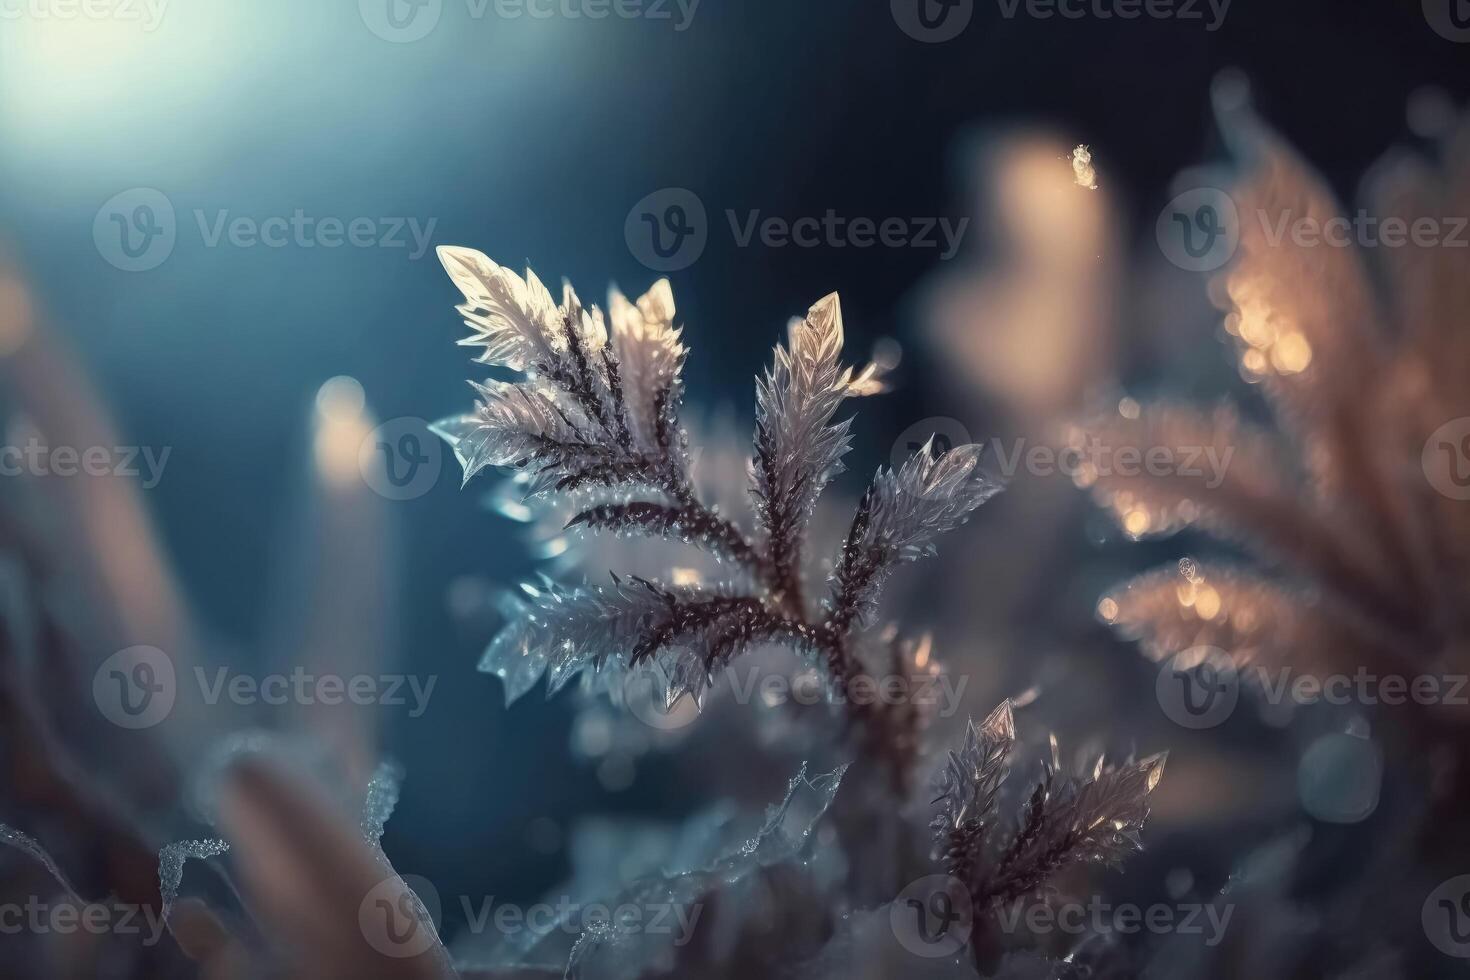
(1108, 610)
(1255, 363)
(1136, 522)
(341, 426)
(1291, 354)
(1207, 603)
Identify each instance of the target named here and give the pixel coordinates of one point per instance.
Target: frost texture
(381, 799)
(1095, 818)
(971, 777)
(614, 950)
(595, 419)
(171, 858)
(22, 841)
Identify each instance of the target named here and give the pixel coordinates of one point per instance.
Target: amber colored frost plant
(1363, 562)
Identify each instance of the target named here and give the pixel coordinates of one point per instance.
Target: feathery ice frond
(972, 776)
(647, 362)
(899, 518)
(1095, 818)
(797, 448)
(596, 420)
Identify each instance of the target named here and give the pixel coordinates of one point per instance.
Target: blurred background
(132, 145)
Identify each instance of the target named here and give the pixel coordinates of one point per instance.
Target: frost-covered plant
(1092, 819)
(1349, 506)
(594, 416)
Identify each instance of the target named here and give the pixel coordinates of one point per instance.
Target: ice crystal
(595, 419)
(22, 841)
(171, 859)
(1092, 818)
(615, 949)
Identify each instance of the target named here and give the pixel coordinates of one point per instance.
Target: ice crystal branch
(1092, 819)
(595, 418)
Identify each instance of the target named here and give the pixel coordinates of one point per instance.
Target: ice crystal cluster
(594, 416)
(1092, 819)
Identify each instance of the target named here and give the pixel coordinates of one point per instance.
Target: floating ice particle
(1082, 169)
